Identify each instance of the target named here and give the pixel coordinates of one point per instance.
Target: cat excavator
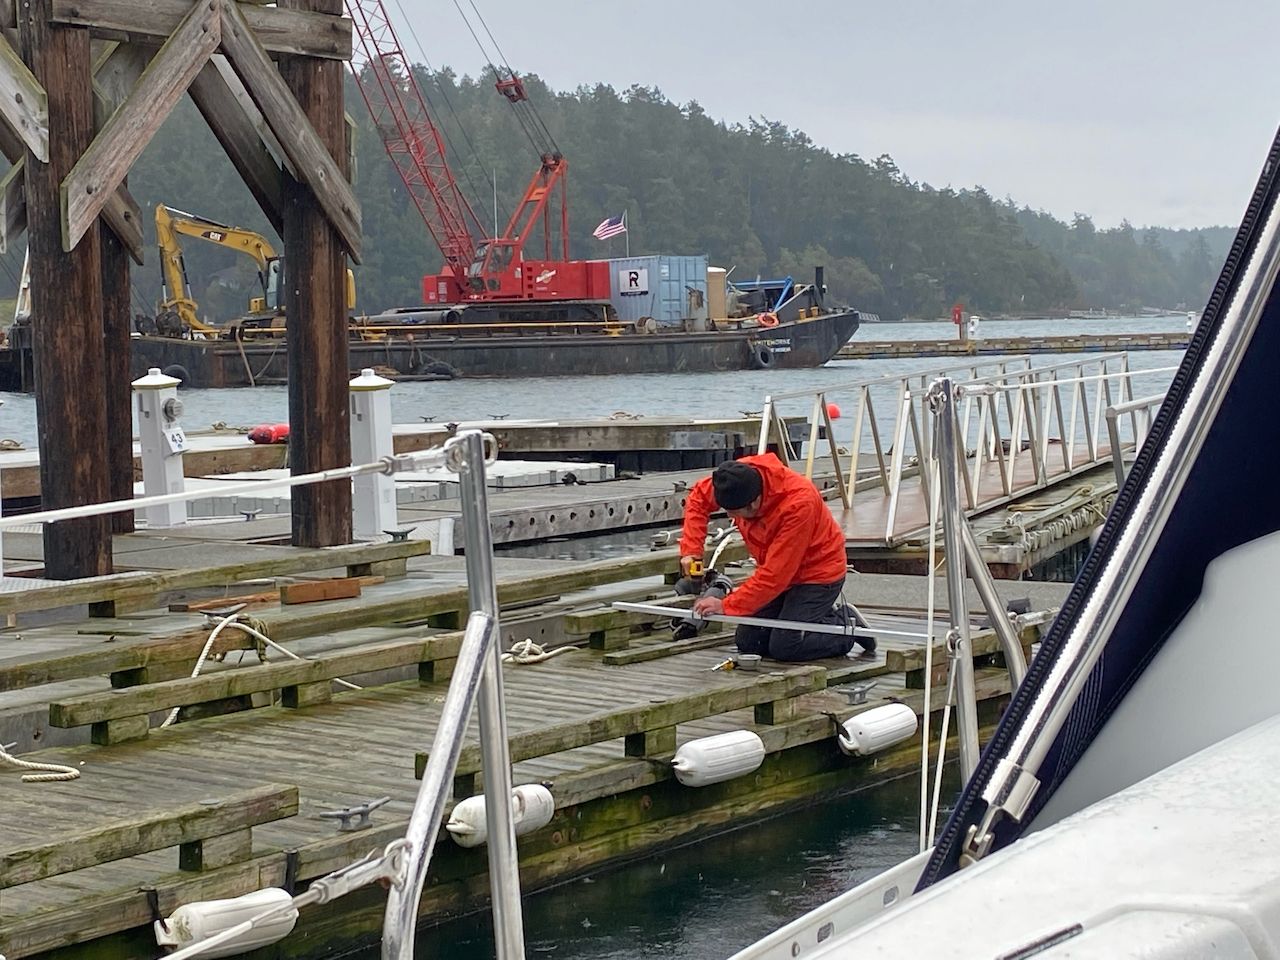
(177, 314)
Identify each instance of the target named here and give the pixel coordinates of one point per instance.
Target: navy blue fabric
(1229, 499)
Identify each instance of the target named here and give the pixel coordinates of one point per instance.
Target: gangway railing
(1140, 414)
(1020, 428)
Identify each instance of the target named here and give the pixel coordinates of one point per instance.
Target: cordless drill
(702, 581)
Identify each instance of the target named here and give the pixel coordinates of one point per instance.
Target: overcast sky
(1158, 111)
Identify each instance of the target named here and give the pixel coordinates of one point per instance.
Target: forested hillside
(758, 197)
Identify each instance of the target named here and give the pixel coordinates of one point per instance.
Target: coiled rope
(54, 771)
(526, 651)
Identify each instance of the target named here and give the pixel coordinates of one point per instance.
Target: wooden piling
(316, 311)
(116, 322)
(66, 298)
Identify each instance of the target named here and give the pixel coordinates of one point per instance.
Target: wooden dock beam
(66, 297)
(316, 311)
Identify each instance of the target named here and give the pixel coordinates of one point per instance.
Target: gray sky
(1158, 112)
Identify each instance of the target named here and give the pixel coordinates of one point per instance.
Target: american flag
(610, 227)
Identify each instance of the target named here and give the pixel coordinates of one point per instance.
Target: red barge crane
(484, 279)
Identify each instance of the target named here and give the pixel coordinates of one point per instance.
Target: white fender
(715, 759)
(532, 807)
(193, 922)
(875, 729)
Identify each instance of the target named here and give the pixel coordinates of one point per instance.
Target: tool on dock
(726, 665)
(359, 814)
(701, 581)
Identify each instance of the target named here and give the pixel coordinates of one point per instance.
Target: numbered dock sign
(633, 282)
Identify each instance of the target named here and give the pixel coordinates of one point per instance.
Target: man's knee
(789, 645)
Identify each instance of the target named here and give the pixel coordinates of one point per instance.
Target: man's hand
(708, 606)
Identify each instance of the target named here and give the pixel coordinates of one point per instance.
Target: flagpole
(625, 232)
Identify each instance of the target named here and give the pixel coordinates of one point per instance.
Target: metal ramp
(1025, 429)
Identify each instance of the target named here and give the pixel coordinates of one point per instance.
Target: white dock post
(163, 442)
(374, 496)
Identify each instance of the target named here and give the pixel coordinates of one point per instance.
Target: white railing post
(373, 501)
(163, 442)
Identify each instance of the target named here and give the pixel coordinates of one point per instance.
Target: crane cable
(475, 154)
(532, 110)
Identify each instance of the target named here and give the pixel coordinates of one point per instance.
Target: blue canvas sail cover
(1221, 505)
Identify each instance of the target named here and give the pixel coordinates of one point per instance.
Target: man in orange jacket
(799, 552)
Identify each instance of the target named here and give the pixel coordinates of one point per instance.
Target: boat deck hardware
(400, 536)
(250, 514)
(857, 693)
(358, 813)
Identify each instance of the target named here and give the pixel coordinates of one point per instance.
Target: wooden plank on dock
(121, 839)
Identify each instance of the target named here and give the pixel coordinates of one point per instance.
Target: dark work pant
(806, 603)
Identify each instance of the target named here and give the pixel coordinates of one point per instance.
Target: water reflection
(709, 899)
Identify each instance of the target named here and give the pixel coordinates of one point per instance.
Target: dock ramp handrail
(1022, 428)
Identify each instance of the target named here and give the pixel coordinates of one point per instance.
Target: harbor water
(708, 900)
(677, 394)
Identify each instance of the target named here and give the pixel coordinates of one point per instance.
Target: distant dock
(1000, 346)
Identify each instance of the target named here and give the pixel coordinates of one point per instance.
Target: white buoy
(193, 922)
(532, 806)
(876, 729)
(715, 759)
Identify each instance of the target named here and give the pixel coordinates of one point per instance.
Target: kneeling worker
(799, 552)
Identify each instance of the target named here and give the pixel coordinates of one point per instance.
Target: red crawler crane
(490, 270)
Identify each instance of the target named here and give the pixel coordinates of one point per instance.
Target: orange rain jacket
(794, 538)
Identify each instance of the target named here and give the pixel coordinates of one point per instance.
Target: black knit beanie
(736, 484)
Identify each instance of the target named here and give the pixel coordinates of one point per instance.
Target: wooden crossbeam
(280, 30)
(106, 163)
(298, 139)
(239, 135)
(122, 213)
(23, 103)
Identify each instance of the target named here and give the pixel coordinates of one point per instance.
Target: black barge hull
(439, 353)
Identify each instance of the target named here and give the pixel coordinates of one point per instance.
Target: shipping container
(669, 289)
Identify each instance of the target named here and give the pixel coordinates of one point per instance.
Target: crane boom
(412, 140)
(477, 268)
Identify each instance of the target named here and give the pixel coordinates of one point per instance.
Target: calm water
(712, 898)
(684, 394)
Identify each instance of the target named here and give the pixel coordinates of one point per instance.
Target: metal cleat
(400, 536)
(251, 514)
(857, 693)
(346, 815)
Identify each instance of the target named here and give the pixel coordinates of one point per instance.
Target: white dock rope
(53, 771)
(526, 651)
(234, 621)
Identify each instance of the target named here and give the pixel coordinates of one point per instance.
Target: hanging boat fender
(269, 433)
(768, 319)
(193, 922)
(877, 729)
(716, 759)
(532, 807)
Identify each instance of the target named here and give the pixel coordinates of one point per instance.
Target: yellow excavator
(177, 314)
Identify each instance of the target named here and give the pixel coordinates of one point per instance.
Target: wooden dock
(240, 794)
(865, 349)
